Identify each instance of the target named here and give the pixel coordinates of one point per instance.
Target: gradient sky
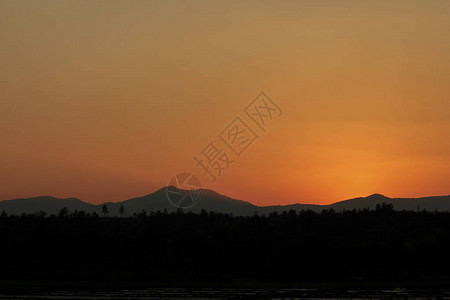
(107, 100)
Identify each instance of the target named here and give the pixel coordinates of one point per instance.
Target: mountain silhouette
(210, 200)
(48, 204)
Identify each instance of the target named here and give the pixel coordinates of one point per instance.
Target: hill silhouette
(212, 201)
(48, 204)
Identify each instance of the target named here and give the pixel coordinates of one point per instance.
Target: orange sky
(107, 100)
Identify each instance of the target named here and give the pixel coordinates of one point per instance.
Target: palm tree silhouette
(104, 210)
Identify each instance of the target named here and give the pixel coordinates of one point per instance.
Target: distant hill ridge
(212, 201)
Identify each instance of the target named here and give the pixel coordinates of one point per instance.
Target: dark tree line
(381, 244)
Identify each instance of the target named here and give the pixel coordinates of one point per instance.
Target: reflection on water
(250, 293)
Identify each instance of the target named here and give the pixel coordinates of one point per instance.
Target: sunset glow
(107, 100)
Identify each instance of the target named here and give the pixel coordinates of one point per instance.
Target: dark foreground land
(363, 248)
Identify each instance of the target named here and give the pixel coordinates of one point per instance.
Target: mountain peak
(377, 196)
(174, 188)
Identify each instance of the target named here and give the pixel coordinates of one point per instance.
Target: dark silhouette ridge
(50, 205)
(212, 201)
(365, 245)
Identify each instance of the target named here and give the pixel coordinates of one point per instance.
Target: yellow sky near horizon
(107, 100)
